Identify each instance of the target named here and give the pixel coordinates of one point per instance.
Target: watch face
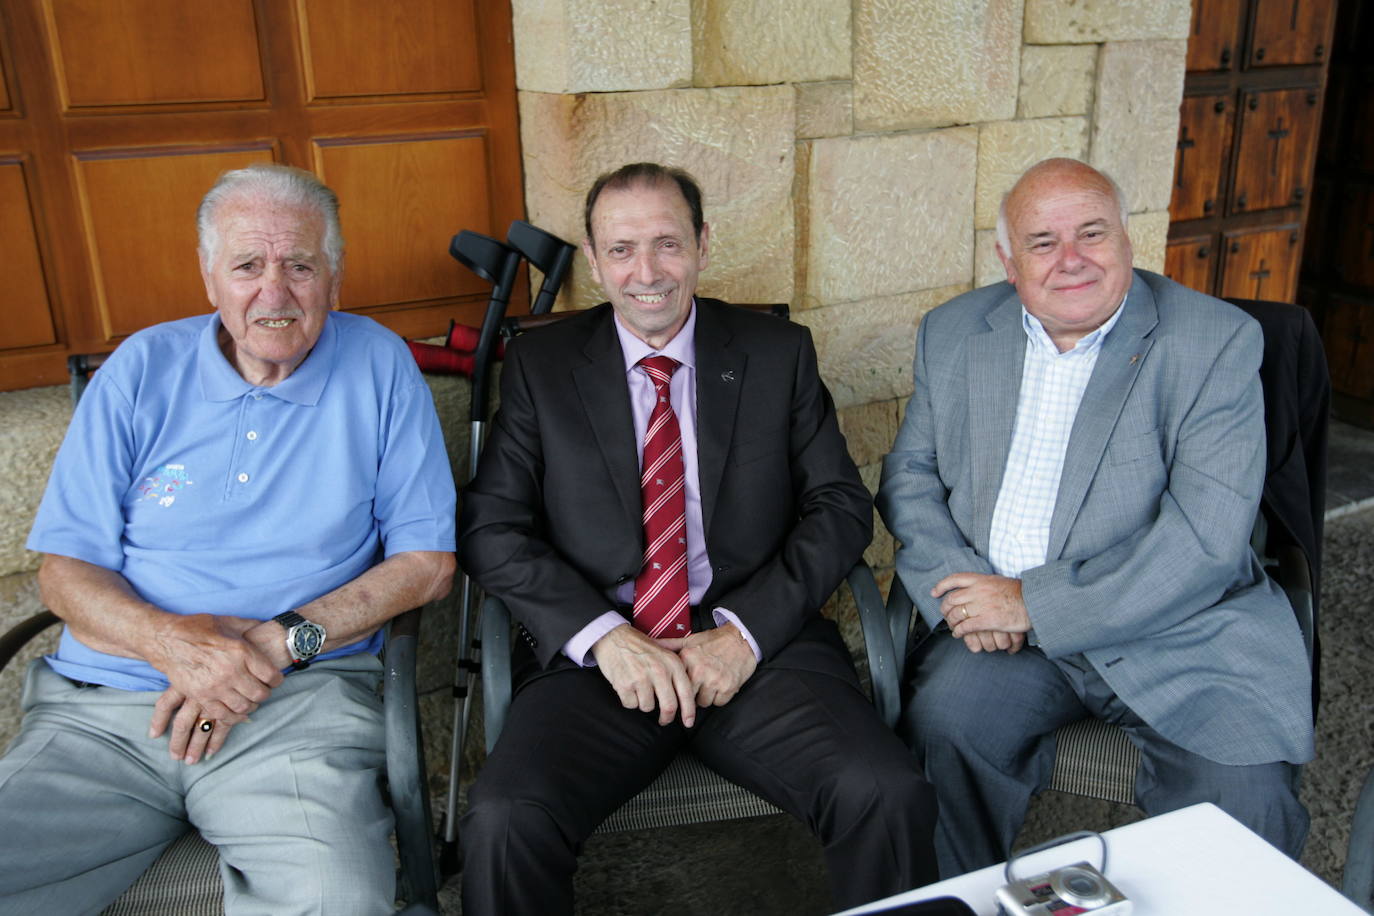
(307, 640)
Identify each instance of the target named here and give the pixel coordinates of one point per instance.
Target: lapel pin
(728, 375)
(1135, 358)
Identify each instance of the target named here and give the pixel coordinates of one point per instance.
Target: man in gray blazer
(1073, 489)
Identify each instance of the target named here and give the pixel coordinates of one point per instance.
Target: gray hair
(282, 186)
(1004, 234)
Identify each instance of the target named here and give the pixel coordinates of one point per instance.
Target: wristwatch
(304, 638)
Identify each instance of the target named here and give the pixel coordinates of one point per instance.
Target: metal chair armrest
(405, 764)
(19, 635)
(884, 668)
(496, 674)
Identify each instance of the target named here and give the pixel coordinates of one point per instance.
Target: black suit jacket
(551, 521)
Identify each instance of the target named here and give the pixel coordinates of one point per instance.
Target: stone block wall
(853, 153)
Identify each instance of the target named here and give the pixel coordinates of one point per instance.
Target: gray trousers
(292, 800)
(982, 725)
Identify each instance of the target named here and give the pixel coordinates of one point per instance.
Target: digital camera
(1077, 888)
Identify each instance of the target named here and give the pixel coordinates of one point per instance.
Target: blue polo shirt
(214, 496)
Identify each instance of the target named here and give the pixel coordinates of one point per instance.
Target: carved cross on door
(1259, 276)
(1185, 143)
(1277, 135)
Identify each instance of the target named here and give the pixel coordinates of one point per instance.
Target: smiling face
(646, 258)
(272, 285)
(1070, 257)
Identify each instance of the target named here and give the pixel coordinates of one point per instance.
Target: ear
(590, 255)
(209, 291)
(1007, 264)
(704, 247)
(336, 284)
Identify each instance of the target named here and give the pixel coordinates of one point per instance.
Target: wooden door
(117, 115)
(1248, 134)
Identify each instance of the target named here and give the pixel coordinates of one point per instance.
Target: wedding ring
(964, 608)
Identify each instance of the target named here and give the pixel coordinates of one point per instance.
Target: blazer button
(722, 569)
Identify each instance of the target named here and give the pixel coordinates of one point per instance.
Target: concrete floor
(772, 864)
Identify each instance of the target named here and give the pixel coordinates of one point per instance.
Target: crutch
(496, 263)
(546, 251)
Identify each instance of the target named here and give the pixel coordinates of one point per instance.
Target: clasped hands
(220, 669)
(675, 675)
(984, 610)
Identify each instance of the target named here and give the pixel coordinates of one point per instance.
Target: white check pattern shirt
(1052, 385)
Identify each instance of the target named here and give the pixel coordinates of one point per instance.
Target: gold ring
(964, 608)
(205, 725)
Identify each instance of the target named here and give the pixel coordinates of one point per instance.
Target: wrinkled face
(646, 258)
(1070, 257)
(272, 285)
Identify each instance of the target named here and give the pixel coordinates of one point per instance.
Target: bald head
(1061, 235)
(1057, 170)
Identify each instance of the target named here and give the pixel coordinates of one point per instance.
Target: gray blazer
(1149, 572)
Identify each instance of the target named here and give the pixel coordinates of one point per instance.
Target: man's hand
(645, 675)
(188, 741)
(718, 662)
(995, 640)
(211, 667)
(979, 603)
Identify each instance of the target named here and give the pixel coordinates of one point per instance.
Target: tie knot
(660, 368)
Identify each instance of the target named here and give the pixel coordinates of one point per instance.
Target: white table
(1195, 860)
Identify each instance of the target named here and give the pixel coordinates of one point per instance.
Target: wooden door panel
(23, 296)
(365, 48)
(400, 202)
(1261, 265)
(1214, 39)
(1348, 333)
(1290, 32)
(141, 52)
(1204, 139)
(139, 210)
(1355, 263)
(1190, 262)
(1278, 138)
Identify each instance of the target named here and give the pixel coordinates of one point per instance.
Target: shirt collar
(681, 348)
(1037, 334)
(220, 381)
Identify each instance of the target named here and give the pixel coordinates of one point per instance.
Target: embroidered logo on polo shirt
(163, 484)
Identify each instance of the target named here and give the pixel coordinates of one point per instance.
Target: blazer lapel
(606, 399)
(720, 378)
(994, 360)
(1118, 365)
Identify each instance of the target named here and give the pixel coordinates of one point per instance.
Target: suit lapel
(606, 399)
(720, 378)
(995, 360)
(1118, 365)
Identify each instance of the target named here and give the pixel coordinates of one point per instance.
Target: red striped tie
(661, 602)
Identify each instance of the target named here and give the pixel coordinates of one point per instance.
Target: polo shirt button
(243, 478)
(252, 435)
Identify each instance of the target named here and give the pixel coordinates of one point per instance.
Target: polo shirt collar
(220, 381)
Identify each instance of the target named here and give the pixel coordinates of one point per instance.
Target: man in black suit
(627, 659)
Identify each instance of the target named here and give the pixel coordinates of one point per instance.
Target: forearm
(101, 608)
(357, 609)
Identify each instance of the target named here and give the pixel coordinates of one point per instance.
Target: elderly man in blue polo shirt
(242, 501)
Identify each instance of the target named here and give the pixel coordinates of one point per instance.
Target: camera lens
(1079, 886)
